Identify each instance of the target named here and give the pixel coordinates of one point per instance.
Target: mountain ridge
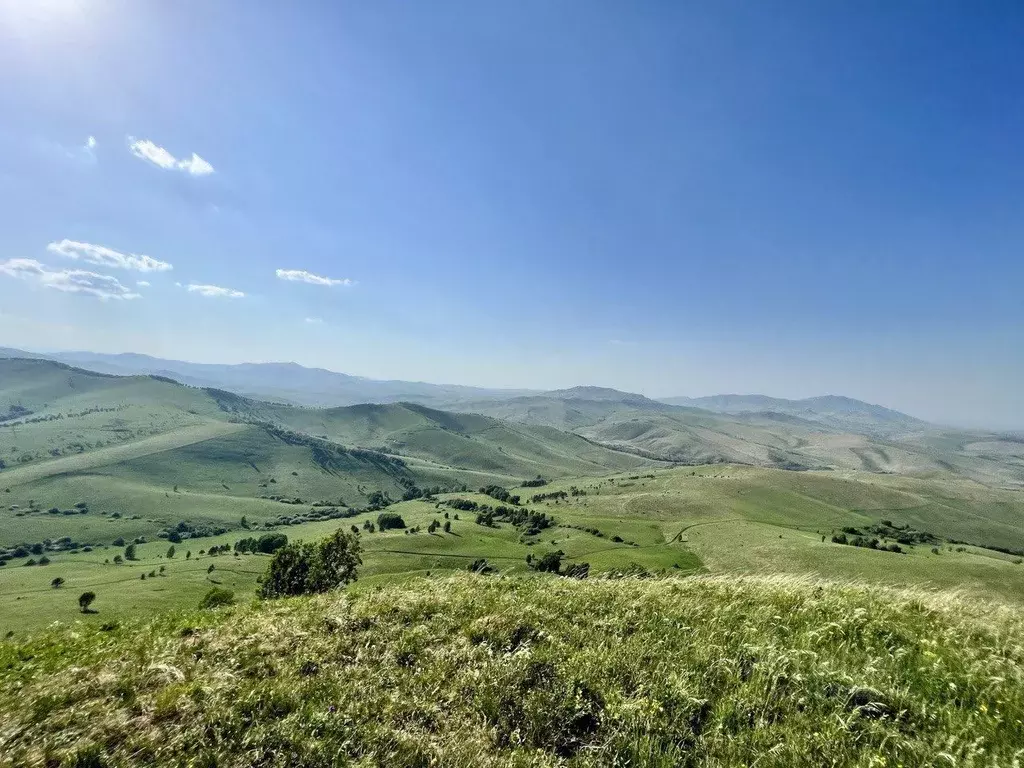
(314, 386)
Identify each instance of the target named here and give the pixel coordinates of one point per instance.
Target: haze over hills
(297, 384)
(283, 382)
(823, 432)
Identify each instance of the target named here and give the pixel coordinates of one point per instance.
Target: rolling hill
(283, 382)
(827, 432)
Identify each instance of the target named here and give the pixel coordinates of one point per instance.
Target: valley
(94, 462)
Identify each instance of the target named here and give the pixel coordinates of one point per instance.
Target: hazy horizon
(670, 199)
(654, 395)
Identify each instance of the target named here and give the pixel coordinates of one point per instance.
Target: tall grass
(484, 671)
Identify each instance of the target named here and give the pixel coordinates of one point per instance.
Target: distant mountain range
(299, 385)
(282, 382)
(829, 432)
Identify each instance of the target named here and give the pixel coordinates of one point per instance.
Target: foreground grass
(518, 671)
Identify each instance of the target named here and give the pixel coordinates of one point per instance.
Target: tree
(129, 552)
(447, 526)
(269, 543)
(551, 562)
(118, 559)
(386, 520)
(302, 569)
(170, 551)
(57, 583)
(188, 555)
(85, 600)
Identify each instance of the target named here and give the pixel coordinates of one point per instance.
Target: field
(532, 671)
(721, 519)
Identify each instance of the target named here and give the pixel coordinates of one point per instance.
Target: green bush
(217, 597)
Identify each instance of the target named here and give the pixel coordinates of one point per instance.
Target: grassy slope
(724, 519)
(484, 671)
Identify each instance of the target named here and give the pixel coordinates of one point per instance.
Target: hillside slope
(485, 671)
(285, 382)
(826, 432)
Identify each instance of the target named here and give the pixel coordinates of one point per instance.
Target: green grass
(719, 519)
(532, 671)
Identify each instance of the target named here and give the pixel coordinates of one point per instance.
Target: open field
(721, 519)
(532, 670)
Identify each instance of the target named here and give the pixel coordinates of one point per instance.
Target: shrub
(57, 583)
(85, 600)
(217, 597)
(129, 552)
(302, 569)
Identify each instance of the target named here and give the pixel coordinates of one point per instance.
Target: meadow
(486, 670)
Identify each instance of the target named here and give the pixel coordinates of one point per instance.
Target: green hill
(486, 671)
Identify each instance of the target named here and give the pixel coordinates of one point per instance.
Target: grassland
(144, 456)
(721, 519)
(532, 671)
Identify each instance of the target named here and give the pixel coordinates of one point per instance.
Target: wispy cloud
(215, 291)
(622, 343)
(68, 280)
(301, 276)
(314, 321)
(160, 157)
(107, 257)
(142, 283)
(90, 143)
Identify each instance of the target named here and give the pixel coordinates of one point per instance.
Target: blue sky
(792, 198)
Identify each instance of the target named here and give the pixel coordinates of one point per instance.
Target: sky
(672, 198)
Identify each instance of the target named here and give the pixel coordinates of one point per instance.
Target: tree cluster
(304, 569)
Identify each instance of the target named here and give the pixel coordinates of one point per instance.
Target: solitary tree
(85, 600)
(57, 583)
(129, 552)
(170, 551)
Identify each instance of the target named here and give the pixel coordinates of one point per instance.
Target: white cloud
(215, 291)
(314, 321)
(301, 276)
(160, 157)
(107, 257)
(90, 143)
(142, 283)
(68, 280)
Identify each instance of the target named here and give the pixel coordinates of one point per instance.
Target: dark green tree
(301, 568)
(85, 600)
